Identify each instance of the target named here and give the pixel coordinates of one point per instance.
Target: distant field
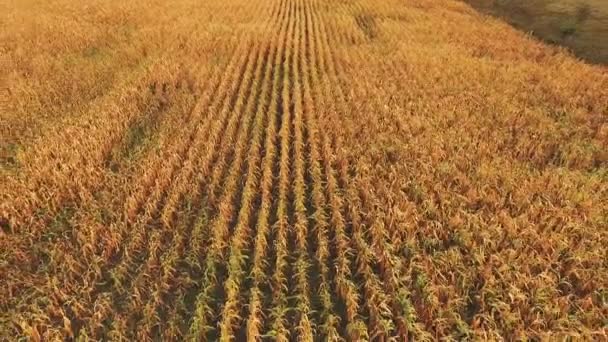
(581, 25)
(296, 170)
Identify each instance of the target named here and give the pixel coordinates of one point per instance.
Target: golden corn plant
(297, 170)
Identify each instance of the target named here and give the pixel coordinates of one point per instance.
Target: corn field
(297, 170)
